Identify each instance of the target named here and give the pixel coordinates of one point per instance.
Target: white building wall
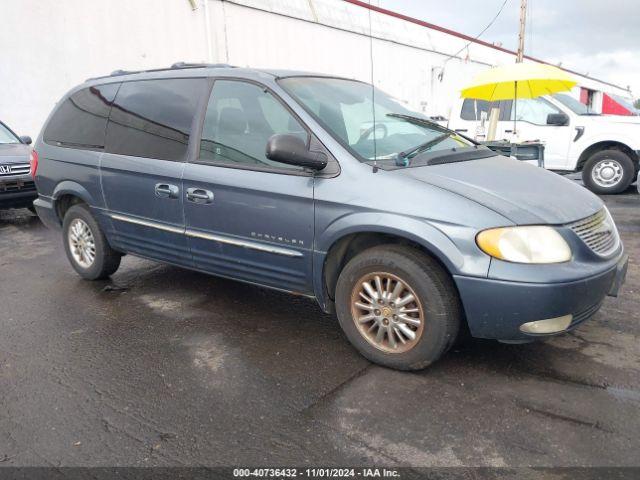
(333, 37)
(47, 47)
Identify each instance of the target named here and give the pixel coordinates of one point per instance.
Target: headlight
(535, 244)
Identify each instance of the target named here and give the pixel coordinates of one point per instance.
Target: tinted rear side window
(81, 120)
(152, 118)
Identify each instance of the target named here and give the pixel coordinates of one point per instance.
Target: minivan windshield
(370, 123)
(572, 104)
(6, 136)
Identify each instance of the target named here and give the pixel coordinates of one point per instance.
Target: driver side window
(533, 110)
(240, 119)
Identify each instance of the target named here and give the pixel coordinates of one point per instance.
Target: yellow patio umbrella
(518, 80)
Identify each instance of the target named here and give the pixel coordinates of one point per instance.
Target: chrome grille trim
(16, 169)
(598, 232)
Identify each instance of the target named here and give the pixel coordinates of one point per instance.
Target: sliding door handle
(199, 195)
(165, 190)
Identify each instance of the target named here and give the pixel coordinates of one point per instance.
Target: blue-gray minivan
(324, 187)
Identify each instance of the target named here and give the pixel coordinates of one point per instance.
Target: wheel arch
(67, 194)
(346, 243)
(607, 145)
(348, 246)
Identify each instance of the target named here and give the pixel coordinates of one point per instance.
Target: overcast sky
(596, 37)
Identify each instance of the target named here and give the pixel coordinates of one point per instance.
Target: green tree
(637, 103)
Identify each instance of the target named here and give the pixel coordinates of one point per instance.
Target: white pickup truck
(605, 148)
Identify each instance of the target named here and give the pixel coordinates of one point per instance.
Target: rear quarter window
(153, 118)
(81, 120)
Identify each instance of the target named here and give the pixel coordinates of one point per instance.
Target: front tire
(398, 307)
(86, 246)
(608, 172)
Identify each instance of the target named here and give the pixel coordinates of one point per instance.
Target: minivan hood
(522, 193)
(14, 153)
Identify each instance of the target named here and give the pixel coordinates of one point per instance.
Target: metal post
(515, 113)
(207, 30)
(519, 58)
(515, 107)
(523, 21)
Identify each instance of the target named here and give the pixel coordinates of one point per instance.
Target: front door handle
(199, 195)
(165, 190)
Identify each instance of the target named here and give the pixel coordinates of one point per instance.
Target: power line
(480, 34)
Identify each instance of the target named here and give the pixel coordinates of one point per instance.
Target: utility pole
(523, 22)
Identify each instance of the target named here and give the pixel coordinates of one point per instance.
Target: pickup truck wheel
(86, 246)
(608, 171)
(398, 307)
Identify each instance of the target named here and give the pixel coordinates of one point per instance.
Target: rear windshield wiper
(402, 159)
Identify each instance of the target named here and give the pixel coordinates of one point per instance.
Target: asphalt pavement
(160, 366)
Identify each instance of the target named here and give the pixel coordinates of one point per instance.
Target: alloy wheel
(387, 312)
(81, 243)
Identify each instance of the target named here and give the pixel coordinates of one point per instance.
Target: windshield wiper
(402, 159)
(419, 120)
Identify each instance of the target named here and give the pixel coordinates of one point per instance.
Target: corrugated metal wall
(48, 47)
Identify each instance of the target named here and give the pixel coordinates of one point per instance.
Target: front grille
(13, 169)
(599, 232)
(17, 186)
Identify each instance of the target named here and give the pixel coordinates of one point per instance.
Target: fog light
(551, 325)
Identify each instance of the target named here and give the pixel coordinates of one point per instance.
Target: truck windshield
(371, 124)
(572, 104)
(6, 136)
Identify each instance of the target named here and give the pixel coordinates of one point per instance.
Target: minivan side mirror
(558, 119)
(292, 150)
(26, 139)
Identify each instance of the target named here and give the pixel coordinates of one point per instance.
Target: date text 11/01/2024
(316, 472)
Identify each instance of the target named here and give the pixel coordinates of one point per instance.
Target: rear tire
(608, 172)
(415, 333)
(86, 246)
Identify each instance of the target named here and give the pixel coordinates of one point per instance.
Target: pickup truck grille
(13, 169)
(599, 232)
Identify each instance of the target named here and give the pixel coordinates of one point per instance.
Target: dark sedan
(17, 189)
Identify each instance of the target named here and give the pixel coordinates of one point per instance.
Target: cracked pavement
(165, 367)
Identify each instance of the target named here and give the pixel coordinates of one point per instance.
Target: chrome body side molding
(208, 236)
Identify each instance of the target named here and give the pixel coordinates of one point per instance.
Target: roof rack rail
(175, 66)
(179, 65)
(115, 73)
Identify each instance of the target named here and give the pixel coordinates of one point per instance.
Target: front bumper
(496, 308)
(17, 192)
